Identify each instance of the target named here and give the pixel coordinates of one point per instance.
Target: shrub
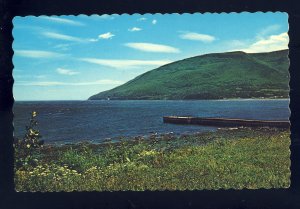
(25, 147)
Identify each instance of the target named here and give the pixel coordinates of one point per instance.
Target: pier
(225, 122)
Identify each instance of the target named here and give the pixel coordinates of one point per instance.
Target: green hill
(211, 76)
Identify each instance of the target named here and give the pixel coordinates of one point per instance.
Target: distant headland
(210, 76)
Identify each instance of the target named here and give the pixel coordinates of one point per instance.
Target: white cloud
(108, 35)
(236, 43)
(134, 29)
(55, 83)
(105, 16)
(30, 76)
(41, 76)
(125, 64)
(37, 83)
(197, 37)
(37, 54)
(62, 20)
(62, 37)
(93, 39)
(142, 19)
(109, 82)
(154, 22)
(271, 29)
(271, 43)
(66, 71)
(150, 47)
(63, 47)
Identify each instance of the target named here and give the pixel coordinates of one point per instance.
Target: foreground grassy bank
(229, 158)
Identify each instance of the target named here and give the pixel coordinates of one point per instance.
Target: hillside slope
(211, 76)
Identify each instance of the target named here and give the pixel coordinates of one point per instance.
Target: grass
(241, 158)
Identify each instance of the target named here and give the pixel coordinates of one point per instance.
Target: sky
(75, 57)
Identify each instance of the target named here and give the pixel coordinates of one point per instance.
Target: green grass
(242, 158)
(211, 76)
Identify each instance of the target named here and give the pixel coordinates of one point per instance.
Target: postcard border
(272, 198)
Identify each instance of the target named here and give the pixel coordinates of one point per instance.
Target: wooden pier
(225, 122)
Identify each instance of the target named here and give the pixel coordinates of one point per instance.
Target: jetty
(225, 122)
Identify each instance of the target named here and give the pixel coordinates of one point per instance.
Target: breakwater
(225, 122)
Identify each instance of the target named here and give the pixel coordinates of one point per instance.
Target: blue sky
(74, 57)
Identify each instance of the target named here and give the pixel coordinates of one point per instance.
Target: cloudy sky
(74, 57)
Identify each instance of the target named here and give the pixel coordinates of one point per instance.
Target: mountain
(211, 76)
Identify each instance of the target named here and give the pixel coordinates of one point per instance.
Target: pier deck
(225, 122)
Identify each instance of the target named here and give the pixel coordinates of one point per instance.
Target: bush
(25, 147)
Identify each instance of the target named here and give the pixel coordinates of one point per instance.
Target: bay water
(73, 121)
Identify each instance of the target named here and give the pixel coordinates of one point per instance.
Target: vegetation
(211, 76)
(228, 158)
(25, 147)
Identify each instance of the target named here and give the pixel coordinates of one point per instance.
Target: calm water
(72, 121)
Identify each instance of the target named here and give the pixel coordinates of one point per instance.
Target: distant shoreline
(234, 98)
(227, 99)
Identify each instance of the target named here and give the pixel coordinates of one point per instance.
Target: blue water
(73, 121)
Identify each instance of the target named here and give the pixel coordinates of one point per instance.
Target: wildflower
(148, 153)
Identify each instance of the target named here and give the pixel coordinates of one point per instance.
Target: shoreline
(227, 99)
(224, 99)
(162, 136)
